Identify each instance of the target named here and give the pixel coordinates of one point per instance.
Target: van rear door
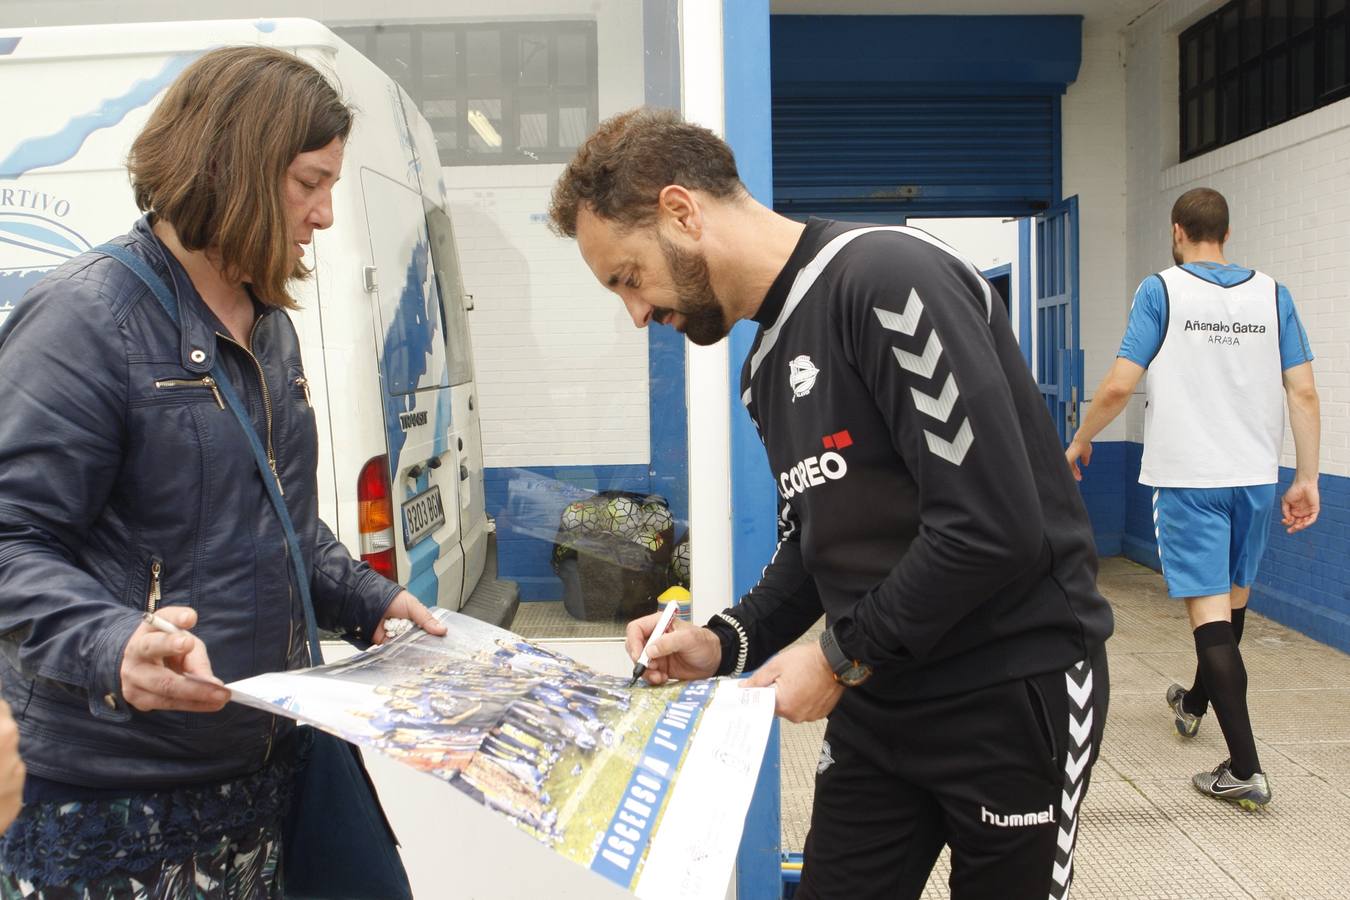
(415, 393)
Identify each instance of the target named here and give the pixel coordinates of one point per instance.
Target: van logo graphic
(412, 419)
(31, 242)
(802, 375)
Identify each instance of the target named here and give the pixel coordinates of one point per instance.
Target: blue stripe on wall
(745, 58)
(1304, 580)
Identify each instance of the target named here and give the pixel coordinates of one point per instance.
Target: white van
(382, 328)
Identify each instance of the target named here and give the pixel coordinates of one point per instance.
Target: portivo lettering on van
(38, 201)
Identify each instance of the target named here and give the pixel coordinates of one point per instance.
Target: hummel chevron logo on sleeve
(922, 366)
(939, 407)
(906, 322)
(953, 451)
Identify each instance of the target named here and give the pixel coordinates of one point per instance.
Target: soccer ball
(625, 517)
(571, 516)
(680, 561)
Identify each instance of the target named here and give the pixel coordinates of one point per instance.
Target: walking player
(1224, 348)
(923, 509)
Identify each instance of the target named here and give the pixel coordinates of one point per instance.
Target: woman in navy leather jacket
(126, 487)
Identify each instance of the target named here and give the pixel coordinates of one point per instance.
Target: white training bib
(1215, 412)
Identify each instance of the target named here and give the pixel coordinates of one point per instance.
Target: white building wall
(1094, 164)
(1288, 190)
(562, 373)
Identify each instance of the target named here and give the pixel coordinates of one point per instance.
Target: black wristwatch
(848, 672)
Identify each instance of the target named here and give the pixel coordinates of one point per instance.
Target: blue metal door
(1059, 361)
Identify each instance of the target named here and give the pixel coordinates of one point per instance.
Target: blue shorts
(1211, 538)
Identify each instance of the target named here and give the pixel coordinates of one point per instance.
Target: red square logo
(837, 441)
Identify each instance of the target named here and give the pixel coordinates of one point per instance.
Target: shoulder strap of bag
(271, 480)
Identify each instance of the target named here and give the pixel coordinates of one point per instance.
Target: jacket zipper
(206, 382)
(156, 570)
(267, 399)
(303, 383)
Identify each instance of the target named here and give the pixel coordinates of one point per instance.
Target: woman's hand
(406, 606)
(11, 768)
(170, 671)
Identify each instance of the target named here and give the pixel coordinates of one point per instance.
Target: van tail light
(375, 517)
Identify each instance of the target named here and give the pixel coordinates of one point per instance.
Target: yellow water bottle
(677, 594)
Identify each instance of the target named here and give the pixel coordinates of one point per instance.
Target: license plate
(422, 515)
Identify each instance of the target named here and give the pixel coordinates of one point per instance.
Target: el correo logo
(816, 470)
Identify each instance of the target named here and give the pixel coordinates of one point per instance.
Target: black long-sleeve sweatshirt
(925, 504)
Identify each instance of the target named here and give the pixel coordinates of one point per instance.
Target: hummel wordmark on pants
(998, 773)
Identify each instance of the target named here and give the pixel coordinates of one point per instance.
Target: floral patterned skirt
(240, 868)
(203, 842)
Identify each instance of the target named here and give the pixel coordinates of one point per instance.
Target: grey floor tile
(1146, 832)
(1329, 759)
(1292, 848)
(1126, 848)
(550, 619)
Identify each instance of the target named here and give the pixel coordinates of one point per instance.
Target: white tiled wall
(562, 372)
(1094, 168)
(1288, 190)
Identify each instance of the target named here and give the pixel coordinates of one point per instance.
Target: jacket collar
(198, 326)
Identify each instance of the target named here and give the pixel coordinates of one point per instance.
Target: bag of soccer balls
(613, 553)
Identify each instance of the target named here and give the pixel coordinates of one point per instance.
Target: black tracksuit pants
(998, 773)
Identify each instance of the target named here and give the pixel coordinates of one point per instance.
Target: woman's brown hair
(212, 159)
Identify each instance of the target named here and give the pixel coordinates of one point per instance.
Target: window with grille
(1252, 64)
(495, 93)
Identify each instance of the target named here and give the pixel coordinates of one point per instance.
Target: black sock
(1196, 701)
(1225, 678)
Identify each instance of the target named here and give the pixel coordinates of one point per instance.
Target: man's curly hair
(622, 168)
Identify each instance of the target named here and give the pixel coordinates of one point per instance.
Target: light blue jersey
(1148, 316)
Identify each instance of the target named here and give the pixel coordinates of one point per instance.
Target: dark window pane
(1335, 73)
(1277, 87)
(484, 48)
(533, 130)
(1251, 99)
(1228, 39)
(1192, 124)
(572, 59)
(1208, 117)
(438, 65)
(393, 53)
(1303, 15)
(1305, 91)
(1333, 7)
(1277, 21)
(532, 50)
(1229, 110)
(573, 126)
(1251, 29)
(1207, 54)
(443, 117)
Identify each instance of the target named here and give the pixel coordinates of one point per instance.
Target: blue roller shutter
(916, 155)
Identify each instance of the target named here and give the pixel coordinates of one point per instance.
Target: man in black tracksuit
(924, 510)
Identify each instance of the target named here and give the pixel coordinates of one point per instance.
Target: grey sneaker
(1187, 724)
(1249, 793)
